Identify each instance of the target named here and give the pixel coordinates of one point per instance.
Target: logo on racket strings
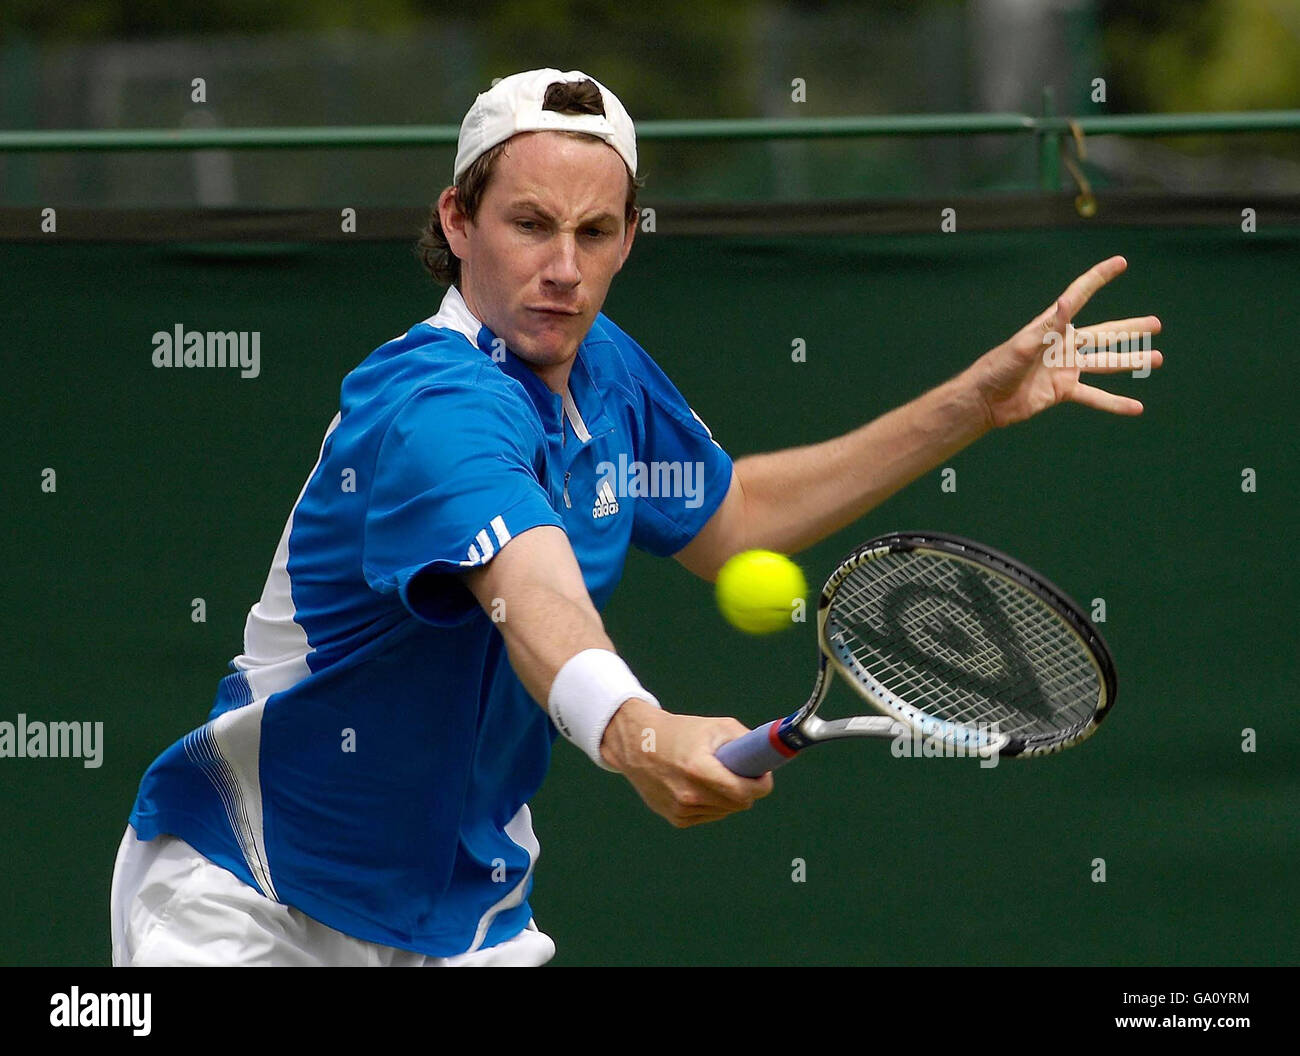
(955, 635)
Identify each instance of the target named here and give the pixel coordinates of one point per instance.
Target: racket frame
(804, 727)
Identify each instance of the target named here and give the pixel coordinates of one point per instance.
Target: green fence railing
(1049, 129)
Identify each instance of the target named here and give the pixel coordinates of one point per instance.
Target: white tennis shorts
(173, 907)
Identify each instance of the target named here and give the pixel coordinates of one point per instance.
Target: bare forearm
(797, 497)
(543, 629)
(788, 500)
(534, 592)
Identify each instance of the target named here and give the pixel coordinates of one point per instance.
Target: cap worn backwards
(514, 105)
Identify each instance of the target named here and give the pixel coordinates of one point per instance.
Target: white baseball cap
(514, 105)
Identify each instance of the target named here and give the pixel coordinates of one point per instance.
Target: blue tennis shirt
(371, 757)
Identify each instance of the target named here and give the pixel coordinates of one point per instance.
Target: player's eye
(527, 225)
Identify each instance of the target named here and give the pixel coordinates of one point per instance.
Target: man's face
(549, 237)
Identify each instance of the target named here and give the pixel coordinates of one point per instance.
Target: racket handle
(755, 753)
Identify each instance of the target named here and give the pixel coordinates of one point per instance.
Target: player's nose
(562, 264)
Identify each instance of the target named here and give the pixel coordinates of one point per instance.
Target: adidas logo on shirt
(606, 503)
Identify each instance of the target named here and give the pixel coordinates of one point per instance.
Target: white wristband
(590, 687)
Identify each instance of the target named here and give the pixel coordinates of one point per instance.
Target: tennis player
(359, 793)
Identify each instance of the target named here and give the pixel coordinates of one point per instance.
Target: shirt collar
(587, 403)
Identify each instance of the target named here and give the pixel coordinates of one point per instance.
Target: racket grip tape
(755, 753)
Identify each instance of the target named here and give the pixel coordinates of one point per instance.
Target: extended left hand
(1039, 368)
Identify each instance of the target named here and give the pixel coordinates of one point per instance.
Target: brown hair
(566, 97)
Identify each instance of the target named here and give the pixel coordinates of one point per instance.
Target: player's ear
(453, 221)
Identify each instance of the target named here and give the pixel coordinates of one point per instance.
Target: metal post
(1049, 146)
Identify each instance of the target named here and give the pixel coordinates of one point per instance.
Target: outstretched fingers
(1100, 400)
(1112, 361)
(1080, 292)
(1141, 324)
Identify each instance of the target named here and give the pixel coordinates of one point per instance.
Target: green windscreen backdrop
(173, 485)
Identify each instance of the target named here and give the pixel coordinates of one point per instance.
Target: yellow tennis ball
(759, 591)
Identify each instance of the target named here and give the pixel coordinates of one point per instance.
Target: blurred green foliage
(1161, 55)
(1203, 55)
(135, 19)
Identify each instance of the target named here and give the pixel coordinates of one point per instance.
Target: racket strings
(950, 699)
(944, 641)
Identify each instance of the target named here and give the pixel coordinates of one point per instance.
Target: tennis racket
(950, 640)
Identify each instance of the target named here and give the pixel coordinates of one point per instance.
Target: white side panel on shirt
(520, 829)
(275, 645)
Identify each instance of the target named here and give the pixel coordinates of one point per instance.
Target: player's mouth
(555, 311)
